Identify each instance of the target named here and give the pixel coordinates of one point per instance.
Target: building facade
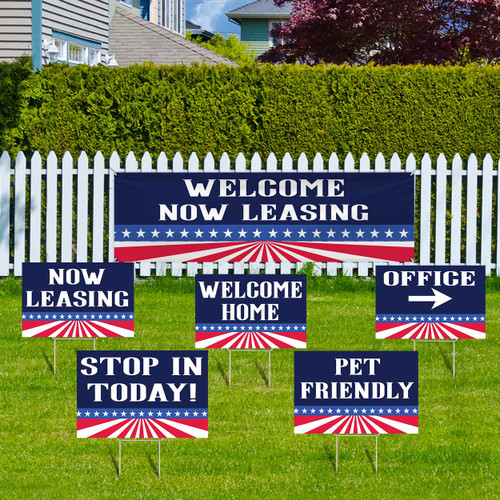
(79, 29)
(256, 20)
(170, 14)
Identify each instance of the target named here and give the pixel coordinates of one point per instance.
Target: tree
(388, 32)
(229, 47)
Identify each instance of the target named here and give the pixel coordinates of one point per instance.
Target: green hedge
(255, 108)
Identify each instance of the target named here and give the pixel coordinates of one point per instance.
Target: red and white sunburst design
(144, 428)
(428, 331)
(356, 424)
(78, 329)
(250, 340)
(264, 251)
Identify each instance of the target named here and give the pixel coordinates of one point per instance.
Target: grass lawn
(251, 451)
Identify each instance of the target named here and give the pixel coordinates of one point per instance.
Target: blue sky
(210, 14)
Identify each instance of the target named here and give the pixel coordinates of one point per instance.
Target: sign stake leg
(269, 370)
(94, 344)
(159, 457)
(119, 458)
(414, 346)
(55, 358)
(376, 453)
(454, 342)
(229, 368)
(336, 453)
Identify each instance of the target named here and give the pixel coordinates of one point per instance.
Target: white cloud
(207, 12)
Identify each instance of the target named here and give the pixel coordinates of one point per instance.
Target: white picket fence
(53, 211)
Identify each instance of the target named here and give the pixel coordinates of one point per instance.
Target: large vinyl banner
(264, 217)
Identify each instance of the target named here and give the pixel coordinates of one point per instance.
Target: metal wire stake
(355, 435)
(229, 368)
(454, 358)
(68, 338)
(55, 350)
(454, 341)
(336, 452)
(269, 371)
(159, 458)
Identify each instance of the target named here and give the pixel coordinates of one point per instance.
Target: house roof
(197, 30)
(261, 9)
(133, 40)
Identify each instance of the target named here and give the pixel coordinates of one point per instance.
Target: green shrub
(12, 76)
(252, 108)
(230, 47)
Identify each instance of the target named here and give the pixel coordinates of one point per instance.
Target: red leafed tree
(388, 32)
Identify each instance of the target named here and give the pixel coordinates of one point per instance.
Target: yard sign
(250, 311)
(430, 302)
(356, 392)
(78, 300)
(264, 217)
(142, 394)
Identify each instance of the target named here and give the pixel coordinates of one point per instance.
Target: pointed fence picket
(98, 209)
(63, 210)
(5, 203)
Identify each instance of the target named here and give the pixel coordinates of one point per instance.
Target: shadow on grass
(445, 357)
(262, 373)
(49, 364)
(152, 464)
(370, 459)
(330, 455)
(113, 460)
(222, 373)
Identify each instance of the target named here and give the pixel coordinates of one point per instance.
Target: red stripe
(371, 429)
(198, 423)
(314, 257)
(221, 343)
(207, 335)
(215, 256)
(84, 423)
(409, 420)
(220, 250)
(394, 253)
(280, 343)
(76, 328)
(291, 335)
(305, 419)
(199, 336)
(48, 332)
(449, 327)
(479, 327)
(136, 253)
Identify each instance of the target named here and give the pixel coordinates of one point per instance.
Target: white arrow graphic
(438, 298)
